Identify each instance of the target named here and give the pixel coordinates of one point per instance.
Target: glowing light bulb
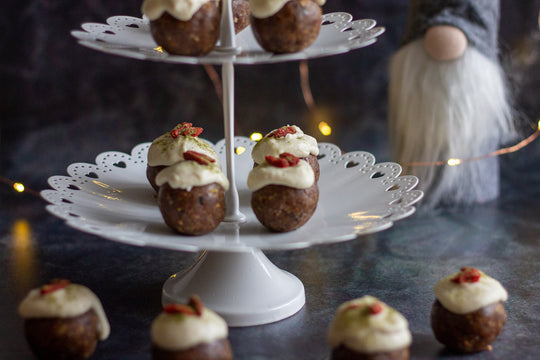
(453, 162)
(324, 128)
(21, 231)
(18, 187)
(256, 136)
(23, 257)
(239, 150)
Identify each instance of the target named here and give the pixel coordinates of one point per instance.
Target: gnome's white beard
(448, 110)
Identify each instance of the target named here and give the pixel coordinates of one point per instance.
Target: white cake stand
(112, 199)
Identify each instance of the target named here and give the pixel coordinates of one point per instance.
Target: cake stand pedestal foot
(245, 288)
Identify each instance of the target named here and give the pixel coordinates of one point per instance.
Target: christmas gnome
(448, 100)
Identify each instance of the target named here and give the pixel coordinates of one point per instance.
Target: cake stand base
(245, 288)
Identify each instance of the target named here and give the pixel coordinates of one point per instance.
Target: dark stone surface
(61, 103)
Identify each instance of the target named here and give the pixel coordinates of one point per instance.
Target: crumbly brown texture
(63, 338)
(241, 14)
(151, 173)
(344, 353)
(195, 37)
(216, 350)
(195, 212)
(282, 208)
(314, 163)
(470, 332)
(293, 28)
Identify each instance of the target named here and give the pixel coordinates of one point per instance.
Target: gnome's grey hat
(478, 19)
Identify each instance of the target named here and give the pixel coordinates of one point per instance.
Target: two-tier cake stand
(113, 200)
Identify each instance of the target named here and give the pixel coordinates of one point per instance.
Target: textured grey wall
(61, 100)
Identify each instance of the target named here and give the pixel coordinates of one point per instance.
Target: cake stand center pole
(227, 44)
(227, 40)
(232, 213)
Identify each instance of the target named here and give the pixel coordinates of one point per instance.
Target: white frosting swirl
(298, 144)
(265, 8)
(181, 331)
(71, 301)
(300, 176)
(356, 328)
(167, 150)
(186, 174)
(180, 9)
(467, 297)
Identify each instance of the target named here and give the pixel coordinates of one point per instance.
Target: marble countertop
(399, 266)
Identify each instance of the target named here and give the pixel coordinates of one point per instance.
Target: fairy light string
(310, 103)
(325, 130)
(323, 126)
(304, 84)
(507, 150)
(18, 187)
(214, 78)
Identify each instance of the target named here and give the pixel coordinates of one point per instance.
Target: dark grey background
(62, 103)
(70, 102)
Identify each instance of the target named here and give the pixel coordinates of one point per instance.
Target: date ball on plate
(63, 321)
(368, 329)
(284, 192)
(191, 194)
(468, 313)
(184, 27)
(188, 332)
(288, 139)
(286, 26)
(240, 12)
(169, 148)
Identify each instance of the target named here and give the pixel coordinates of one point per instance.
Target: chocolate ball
(195, 37)
(471, 332)
(293, 28)
(194, 212)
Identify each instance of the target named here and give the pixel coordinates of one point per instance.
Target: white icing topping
(468, 297)
(72, 301)
(181, 331)
(354, 327)
(265, 8)
(167, 150)
(186, 174)
(300, 176)
(180, 9)
(298, 144)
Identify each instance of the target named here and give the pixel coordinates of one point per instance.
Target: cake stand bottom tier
(245, 288)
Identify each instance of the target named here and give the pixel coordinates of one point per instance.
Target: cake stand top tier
(130, 37)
